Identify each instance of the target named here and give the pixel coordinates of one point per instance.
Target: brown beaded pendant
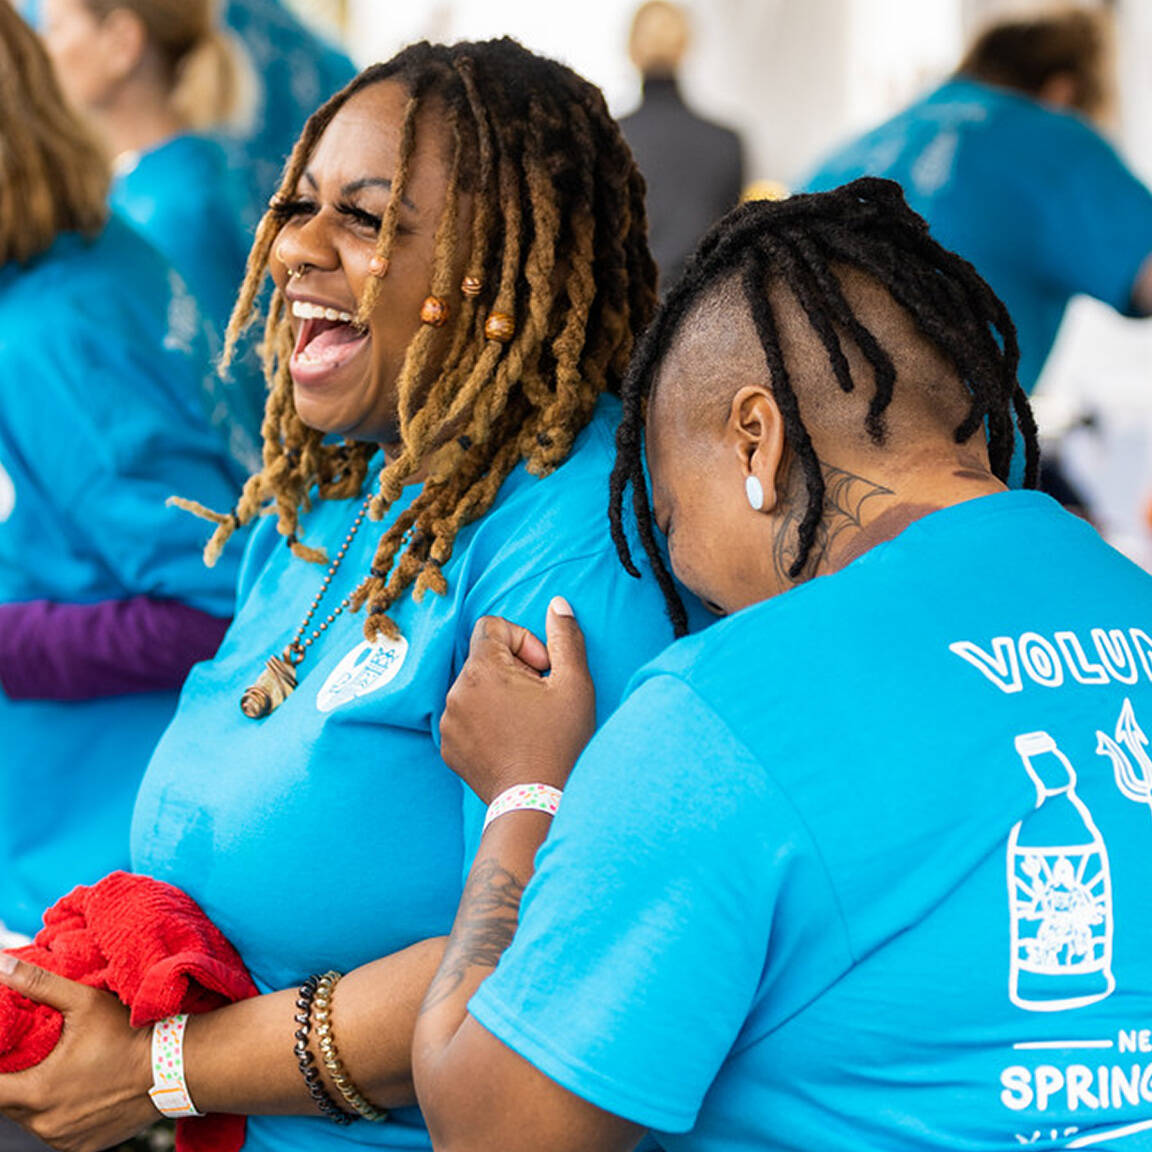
(273, 686)
(278, 679)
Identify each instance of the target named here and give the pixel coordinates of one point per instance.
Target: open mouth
(326, 339)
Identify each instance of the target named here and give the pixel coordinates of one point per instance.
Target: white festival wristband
(169, 1092)
(533, 797)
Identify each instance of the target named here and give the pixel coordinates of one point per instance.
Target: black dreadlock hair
(866, 225)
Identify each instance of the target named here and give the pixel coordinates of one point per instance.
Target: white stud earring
(755, 493)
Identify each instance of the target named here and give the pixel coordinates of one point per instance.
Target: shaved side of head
(717, 350)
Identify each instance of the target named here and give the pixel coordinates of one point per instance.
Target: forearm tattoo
(485, 924)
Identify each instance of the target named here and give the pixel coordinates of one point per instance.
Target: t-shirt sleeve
(644, 934)
(624, 621)
(1096, 222)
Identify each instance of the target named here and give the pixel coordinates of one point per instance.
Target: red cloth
(151, 945)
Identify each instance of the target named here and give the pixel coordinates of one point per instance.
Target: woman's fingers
(41, 985)
(496, 639)
(565, 642)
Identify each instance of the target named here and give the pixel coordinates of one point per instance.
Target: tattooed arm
(505, 724)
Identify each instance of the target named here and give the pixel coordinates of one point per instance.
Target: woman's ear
(756, 431)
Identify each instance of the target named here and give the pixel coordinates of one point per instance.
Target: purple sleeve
(51, 651)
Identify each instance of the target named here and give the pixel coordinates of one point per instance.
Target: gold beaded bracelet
(322, 1014)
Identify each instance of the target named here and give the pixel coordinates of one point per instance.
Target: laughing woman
(461, 269)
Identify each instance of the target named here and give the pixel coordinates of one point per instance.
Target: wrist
(534, 797)
(138, 1068)
(552, 771)
(169, 1091)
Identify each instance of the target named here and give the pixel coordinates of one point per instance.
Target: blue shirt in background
(296, 72)
(1034, 197)
(866, 865)
(331, 833)
(104, 414)
(182, 198)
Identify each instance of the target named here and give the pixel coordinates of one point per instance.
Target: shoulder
(86, 279)
(571, 502)
(1064, 138)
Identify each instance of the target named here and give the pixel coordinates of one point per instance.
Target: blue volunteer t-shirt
(866, 866)
(331, 833)
(102, 418)
(182, 198)
(1034, 197)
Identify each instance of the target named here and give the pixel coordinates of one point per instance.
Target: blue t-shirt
(182, 198)
(853, 868)
(102, 418)
(1034, 197)
(296, 72)
(331, 833)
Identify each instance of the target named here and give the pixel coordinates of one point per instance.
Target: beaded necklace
(278, 679)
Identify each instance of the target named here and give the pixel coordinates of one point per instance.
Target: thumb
(565, 640)
(41, 985)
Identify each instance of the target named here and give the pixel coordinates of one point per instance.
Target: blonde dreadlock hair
(558, 241)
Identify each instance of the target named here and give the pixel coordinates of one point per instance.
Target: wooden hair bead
(471, 285)
(500, 326)
(434, 311)
(378, 266)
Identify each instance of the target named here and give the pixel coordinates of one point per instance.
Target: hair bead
(500, 327)
(378, 266)
(471, 286)
(434, 311)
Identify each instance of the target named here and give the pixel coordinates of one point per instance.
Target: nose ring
(293, 273)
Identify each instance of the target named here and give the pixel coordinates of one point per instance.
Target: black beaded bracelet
(307, 1061)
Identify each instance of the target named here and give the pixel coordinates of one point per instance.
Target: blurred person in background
(694, 168)
(1007, 162)
(104, 604)
(155, 78)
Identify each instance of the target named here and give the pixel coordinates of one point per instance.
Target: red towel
(151, 945)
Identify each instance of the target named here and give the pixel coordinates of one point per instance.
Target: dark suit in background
(694, 170)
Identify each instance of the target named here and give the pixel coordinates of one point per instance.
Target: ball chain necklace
(278, 679)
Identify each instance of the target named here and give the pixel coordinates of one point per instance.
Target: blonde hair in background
(53, 175)
(213, 83)
(659, 38)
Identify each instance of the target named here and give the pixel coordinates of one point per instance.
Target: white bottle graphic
(1059, 891)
